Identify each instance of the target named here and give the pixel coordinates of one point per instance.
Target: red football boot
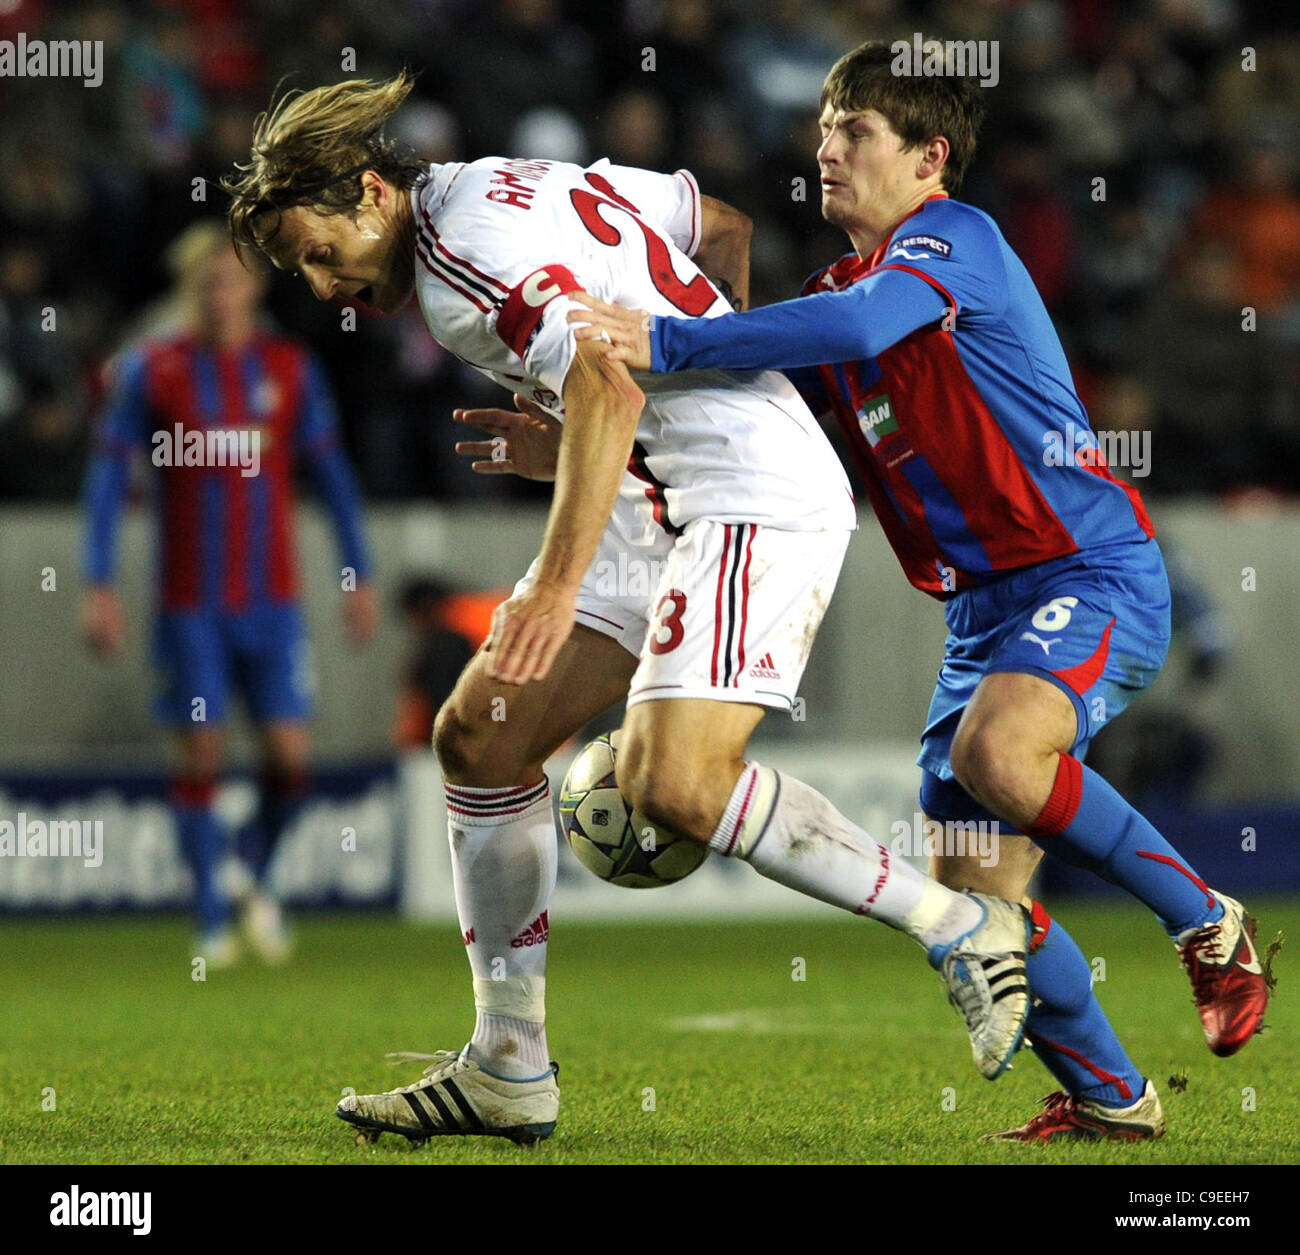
(1227, 978)
(1069, 1119)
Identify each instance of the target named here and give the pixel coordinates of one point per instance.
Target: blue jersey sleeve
(121, 429)
(947, 257)
(318, 442)
(958, 251)
(828, 327)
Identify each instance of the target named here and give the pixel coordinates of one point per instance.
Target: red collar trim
(879, 255)
(850, 268)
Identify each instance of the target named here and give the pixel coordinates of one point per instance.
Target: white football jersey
(500, 243)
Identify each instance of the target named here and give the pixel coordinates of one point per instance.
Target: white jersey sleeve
(549, 344)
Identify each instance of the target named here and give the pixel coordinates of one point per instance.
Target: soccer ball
(611, 839)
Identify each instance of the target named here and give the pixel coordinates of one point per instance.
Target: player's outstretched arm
(722, 254)
(341, 496)
(845, 326)
(103, 621)
(525, 442)
(602, 407)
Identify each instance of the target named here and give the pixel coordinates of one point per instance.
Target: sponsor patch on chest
(877, 419)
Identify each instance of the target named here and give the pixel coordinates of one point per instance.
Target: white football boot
(985, 973)
(456, 1096)
(263, 924)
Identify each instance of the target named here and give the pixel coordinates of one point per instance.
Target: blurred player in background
(229, 614)
(722, 484)
(933, 348)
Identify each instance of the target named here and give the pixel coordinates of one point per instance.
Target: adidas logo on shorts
(765, 669)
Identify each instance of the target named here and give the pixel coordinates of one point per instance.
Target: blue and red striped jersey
(946, 375)
(225, 537)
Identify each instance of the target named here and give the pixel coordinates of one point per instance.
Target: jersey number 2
(691, 298)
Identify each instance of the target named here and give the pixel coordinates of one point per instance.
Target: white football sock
(503, 855)
(509, 1046)
(790, 833)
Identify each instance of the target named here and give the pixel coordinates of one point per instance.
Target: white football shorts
(725, 611)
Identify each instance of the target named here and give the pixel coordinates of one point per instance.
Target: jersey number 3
(691, 298)
(668, 618)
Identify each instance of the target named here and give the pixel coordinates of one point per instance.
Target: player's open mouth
(366, 295)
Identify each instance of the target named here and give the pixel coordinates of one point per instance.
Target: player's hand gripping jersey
(501, 242)
(946, 375)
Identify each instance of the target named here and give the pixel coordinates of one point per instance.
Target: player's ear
(374, 191)
(933, 157)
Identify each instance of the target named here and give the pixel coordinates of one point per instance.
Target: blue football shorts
(206, 655)
(1095, 624)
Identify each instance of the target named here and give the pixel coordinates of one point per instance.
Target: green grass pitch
(678, 1043)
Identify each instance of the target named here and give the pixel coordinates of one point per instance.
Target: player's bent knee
(458, 744)
(664, 791)
(670, 801)
(476, 753)
(951, 873)
(985, 762)
(446, 735)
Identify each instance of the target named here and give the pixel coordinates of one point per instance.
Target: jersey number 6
(1055, 615)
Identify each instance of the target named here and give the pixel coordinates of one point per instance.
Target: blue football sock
(1068, 1029)
(202, 842)
(1088, 824)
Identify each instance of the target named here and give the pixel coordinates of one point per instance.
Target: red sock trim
(1063, 802)
(1178, 867)
(1041, 924)
(1100, 1073)
(198, 791)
